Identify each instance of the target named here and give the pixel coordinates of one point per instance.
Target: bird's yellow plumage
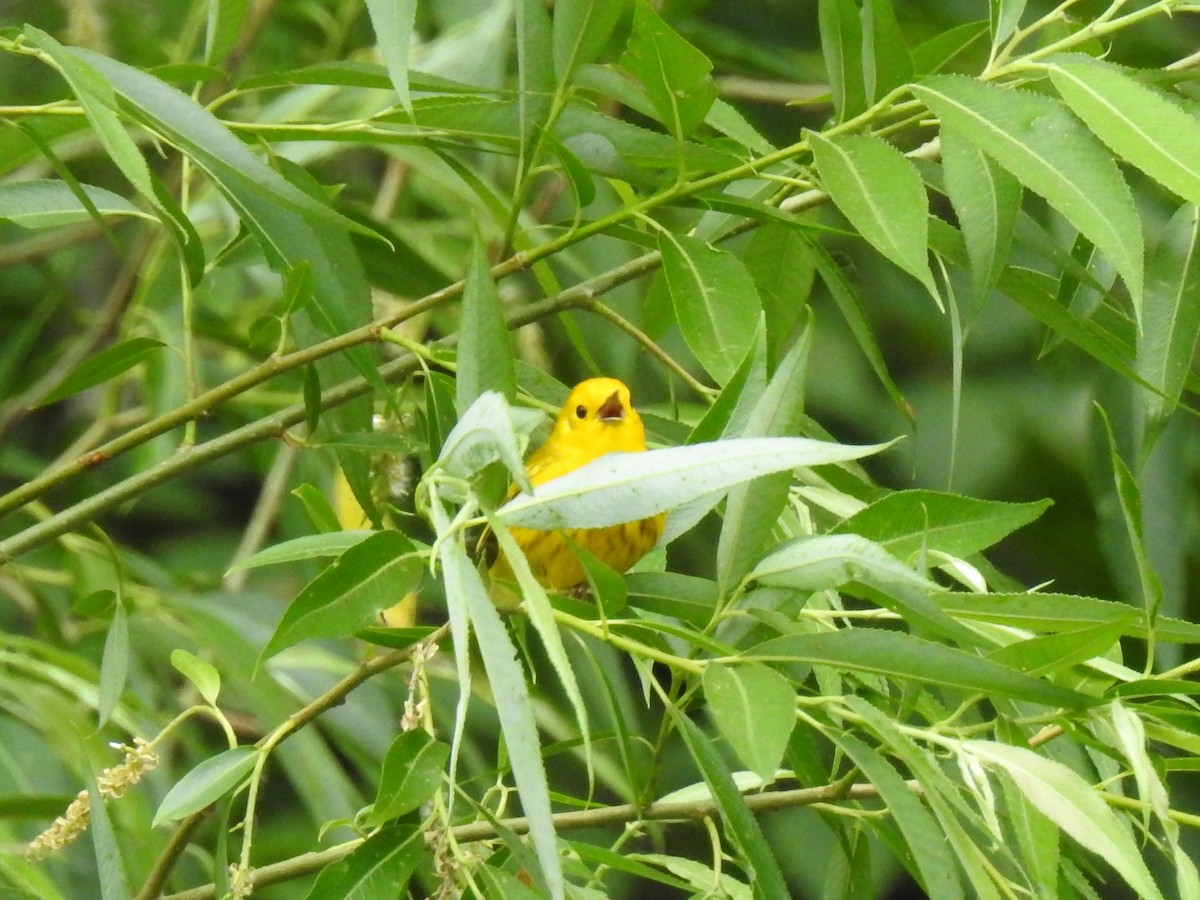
(596, 419)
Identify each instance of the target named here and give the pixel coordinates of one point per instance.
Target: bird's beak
(611, 410)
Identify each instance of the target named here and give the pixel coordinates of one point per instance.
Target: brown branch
(307, 863)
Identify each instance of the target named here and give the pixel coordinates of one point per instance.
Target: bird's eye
(581, 411)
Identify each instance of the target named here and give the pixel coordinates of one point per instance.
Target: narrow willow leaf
(930, 858)
(716, 303)
(850, 306)
(114, 665)
(1036, 139)
(205, 783)
(1171, 316)
(880, 191)
(1061, 612)
(110, 864)
(906, 522)
(581, 29)
(943, 796)
(783, 269)
(312, 398)
(1048, 653)
(1074, 805)
(393, 22)
(370, 576)
(753, 508)
(1005, 15)
(729, 414)
(411, 773)
(485, 357)
(103, 367)
(625, 487)
(1129, 495)
(986, 199)
(1139, 124)
(320, 511)
(894, 654)
(311, 546)
(43, 203)
(841, 44)
(513, 707)
(223, 29)
(755, 709)
(484, 435)
(541, 614)
(886, 63)
(741, 826)
(377, 869)
(832, 561)
(947, 47)
(677, 77)
(201, 673)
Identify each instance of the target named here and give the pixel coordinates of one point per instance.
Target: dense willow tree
(908, 296)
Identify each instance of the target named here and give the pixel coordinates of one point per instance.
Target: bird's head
(598, 412)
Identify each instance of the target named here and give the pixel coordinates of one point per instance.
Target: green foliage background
(242, 245)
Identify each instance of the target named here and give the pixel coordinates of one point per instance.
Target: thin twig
(335, 696)
(699, 810)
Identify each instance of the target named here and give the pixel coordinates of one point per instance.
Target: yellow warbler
(596, 419)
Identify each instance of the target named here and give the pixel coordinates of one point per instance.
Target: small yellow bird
(596, 419)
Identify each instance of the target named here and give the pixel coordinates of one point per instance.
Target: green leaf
(411, 773)
(741, 826)
(1059, 612)
(378, 869)
(104, 366)
(393, 22)
(851, 308)
(1048, 653)
(369, 577)
(1005, 16)
(625, 487)
(716, 302)
(753, 508)
(206, 783)
(513, 707)
(114, 665)
(947, 47)
(224, 28)
(886, 63)
(829, 562)
(894, 654)
(1074, 805)
(312, 398)
(110, 865)
(1171, 316)
(782, 266)
(484, 435)
(755, 709)
(880, 191)
(1048, 150)
(485, 357)
(44, 203)
(581, 29)
(201, 673)
(1139, 124)
(1129, 495)
(677, 77)
(320, 510)
(907, 522)
(986, 199)
(731, 410)
(684, 597)
(841, 43)
(928, 856)
(311, 546)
